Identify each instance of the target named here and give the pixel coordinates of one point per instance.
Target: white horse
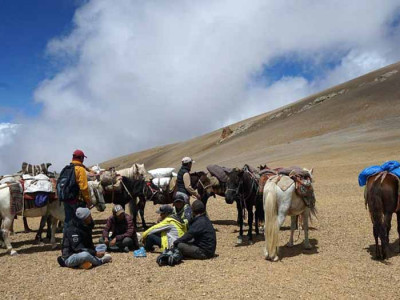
(55, 209)
(277, 205)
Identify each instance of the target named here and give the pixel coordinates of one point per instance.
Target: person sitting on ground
(182, 209)
(119, 234)
(77, 246)
(199, 242)
(164, 233)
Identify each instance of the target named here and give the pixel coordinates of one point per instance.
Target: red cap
(79, 153)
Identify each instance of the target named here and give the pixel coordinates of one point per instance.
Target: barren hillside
(359, 111)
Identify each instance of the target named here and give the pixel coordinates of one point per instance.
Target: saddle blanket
(391, 166)
(219, 172)
(283, 182)
(38, 183)
(16, 196)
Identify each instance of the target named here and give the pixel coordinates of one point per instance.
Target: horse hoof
(54, 247)
(239, 241)
(251, 242)
(275, 259)
(13, 253)
(289, 245)
(307, 247)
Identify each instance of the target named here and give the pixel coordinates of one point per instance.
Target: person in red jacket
(119, 233)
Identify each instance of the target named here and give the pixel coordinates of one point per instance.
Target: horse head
(153, 193)
(97, 195)
(233, 185)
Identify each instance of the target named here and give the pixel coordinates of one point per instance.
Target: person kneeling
(119, 233)
(200, 241)
(164, 233)
(77, 247)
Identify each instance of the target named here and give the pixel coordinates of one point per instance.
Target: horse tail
(376, 211)
(271, 219)
(375, 202)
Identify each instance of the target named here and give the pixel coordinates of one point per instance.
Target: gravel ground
(339, 266)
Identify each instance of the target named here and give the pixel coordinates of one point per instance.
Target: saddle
(285, 178)
(35, 169)
(219, 172)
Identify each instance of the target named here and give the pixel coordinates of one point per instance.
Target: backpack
(170, 257)
(67, 187)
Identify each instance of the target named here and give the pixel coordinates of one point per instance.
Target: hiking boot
(86, 265)
(106, 258)
(61, 261)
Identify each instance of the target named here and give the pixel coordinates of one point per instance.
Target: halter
(153, 191)
(254, 188)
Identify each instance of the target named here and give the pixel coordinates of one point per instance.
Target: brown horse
(382, 201)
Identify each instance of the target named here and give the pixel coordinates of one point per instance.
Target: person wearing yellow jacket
(164, 233)
(83, 199)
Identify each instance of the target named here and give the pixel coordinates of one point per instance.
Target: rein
(202, 184)
(153, 191)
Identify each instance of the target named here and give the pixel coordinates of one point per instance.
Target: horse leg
(5, 228)
(376, 236)
(26, 227)
(48, 222)
(250, 221)
(240, 222)
(305, 217)
(53, 233)
(38, 238)
(398, 226)
(133, 211)
(293, 222)
(142, 205)
(388, 225)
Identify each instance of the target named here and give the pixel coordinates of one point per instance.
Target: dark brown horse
(242, 187)
(382, 201)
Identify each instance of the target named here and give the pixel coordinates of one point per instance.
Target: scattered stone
(385, 76)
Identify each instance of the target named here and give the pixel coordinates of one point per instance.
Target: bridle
(154, 192)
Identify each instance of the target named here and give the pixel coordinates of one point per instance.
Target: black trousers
(152, 240)
(120, 245)
(192, 251)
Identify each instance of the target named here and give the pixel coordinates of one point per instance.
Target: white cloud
(7, 132)
(143, 73)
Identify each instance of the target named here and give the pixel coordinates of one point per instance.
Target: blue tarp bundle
(391, 166)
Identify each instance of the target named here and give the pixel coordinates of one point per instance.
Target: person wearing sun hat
(183, 183)
(78, 249)
(164, 233)
(119, 234)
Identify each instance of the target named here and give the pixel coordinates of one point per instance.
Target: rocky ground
(340, 265)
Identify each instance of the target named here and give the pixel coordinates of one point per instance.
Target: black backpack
(170, 257)
(67, 187)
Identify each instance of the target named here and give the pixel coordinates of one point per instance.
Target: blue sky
(137, 69)
(26, 26)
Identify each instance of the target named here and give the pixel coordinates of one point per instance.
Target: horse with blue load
(382, 197)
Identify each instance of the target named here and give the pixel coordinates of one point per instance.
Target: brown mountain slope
(359, 111)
